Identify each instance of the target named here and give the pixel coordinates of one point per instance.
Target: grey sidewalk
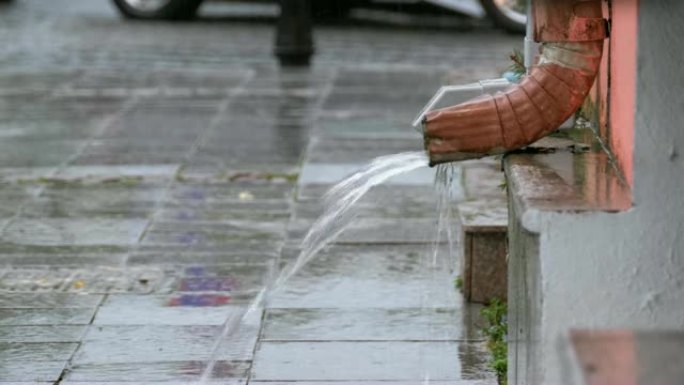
(144, 202)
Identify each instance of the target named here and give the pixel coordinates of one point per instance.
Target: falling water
(340, 200)
(444, 179)
(444, 182)
(339, 204)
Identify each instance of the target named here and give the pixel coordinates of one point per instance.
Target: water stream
(430, 260)
(339, 212)
(444, 186)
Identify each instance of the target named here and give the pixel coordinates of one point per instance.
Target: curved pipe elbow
(521, 115)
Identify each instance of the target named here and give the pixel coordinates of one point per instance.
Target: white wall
(626, 270)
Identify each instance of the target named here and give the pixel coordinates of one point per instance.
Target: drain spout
(571, 33)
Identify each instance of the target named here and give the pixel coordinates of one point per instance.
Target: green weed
(517, 66)
(496, 331)
(458, 283)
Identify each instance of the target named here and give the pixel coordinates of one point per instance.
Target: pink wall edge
(623, 74)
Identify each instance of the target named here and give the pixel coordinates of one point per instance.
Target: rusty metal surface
(568, 20)
(495, 124)
(555, 88)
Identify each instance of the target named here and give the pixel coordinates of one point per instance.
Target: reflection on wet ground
(154, 176)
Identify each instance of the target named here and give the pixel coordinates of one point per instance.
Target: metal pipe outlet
(571, 33)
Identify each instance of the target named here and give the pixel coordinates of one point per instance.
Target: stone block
(484, 237)
(368, 361)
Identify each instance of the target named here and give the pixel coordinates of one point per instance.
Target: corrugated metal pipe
(572, 34)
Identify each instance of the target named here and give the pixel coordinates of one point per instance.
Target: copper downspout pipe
(572, 33)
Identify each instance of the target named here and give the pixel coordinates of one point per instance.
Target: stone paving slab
(401, 106)
(48, 129)
(324, 173)
(417, 203)
(208, 234)
(43, 109)
(48, 300)
(170, 310)
(356, 125)
(330, 361)
(113, 199)
(267, 246)
(48, 317)
(423, 195)
(362, 293)
(122, 152)
(46, 257)
(271, 115)
(158, 372)
(94, 279)
(306, 79)
(264, 117)
(243, 145)
(192, 103)
(137, 344)
(37, 80)
(178, 120)
(49, 358)
(218, 169)
(20, 174)
(420, 187)
(163, 93)
(199, 258)
(209, 382)
(226, 78)
(254, 189)
(77, 231)
(40, 371)
(159, 171)
(366, 276)
(262, 212)
(377, 230)
(307, 212)
(45, 333)
(292, 112)
(235, 279)
(372, 324)
(216, 163)
(354, 150)
(36, 352)
(62, 250)
(388, 79)
(26, 383)
(373, 230)
(43, 153)
(418, 382)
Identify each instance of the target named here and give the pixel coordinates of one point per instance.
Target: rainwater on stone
(339, 212)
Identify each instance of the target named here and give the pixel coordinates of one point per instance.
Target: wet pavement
(155, 176)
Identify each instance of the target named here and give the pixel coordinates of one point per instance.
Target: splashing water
(444, 179)
(340, 200)
(338, 214)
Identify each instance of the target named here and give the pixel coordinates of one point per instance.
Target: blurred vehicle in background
(507, 14)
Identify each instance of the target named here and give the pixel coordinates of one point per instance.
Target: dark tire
(501, 19)
(172, 10)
